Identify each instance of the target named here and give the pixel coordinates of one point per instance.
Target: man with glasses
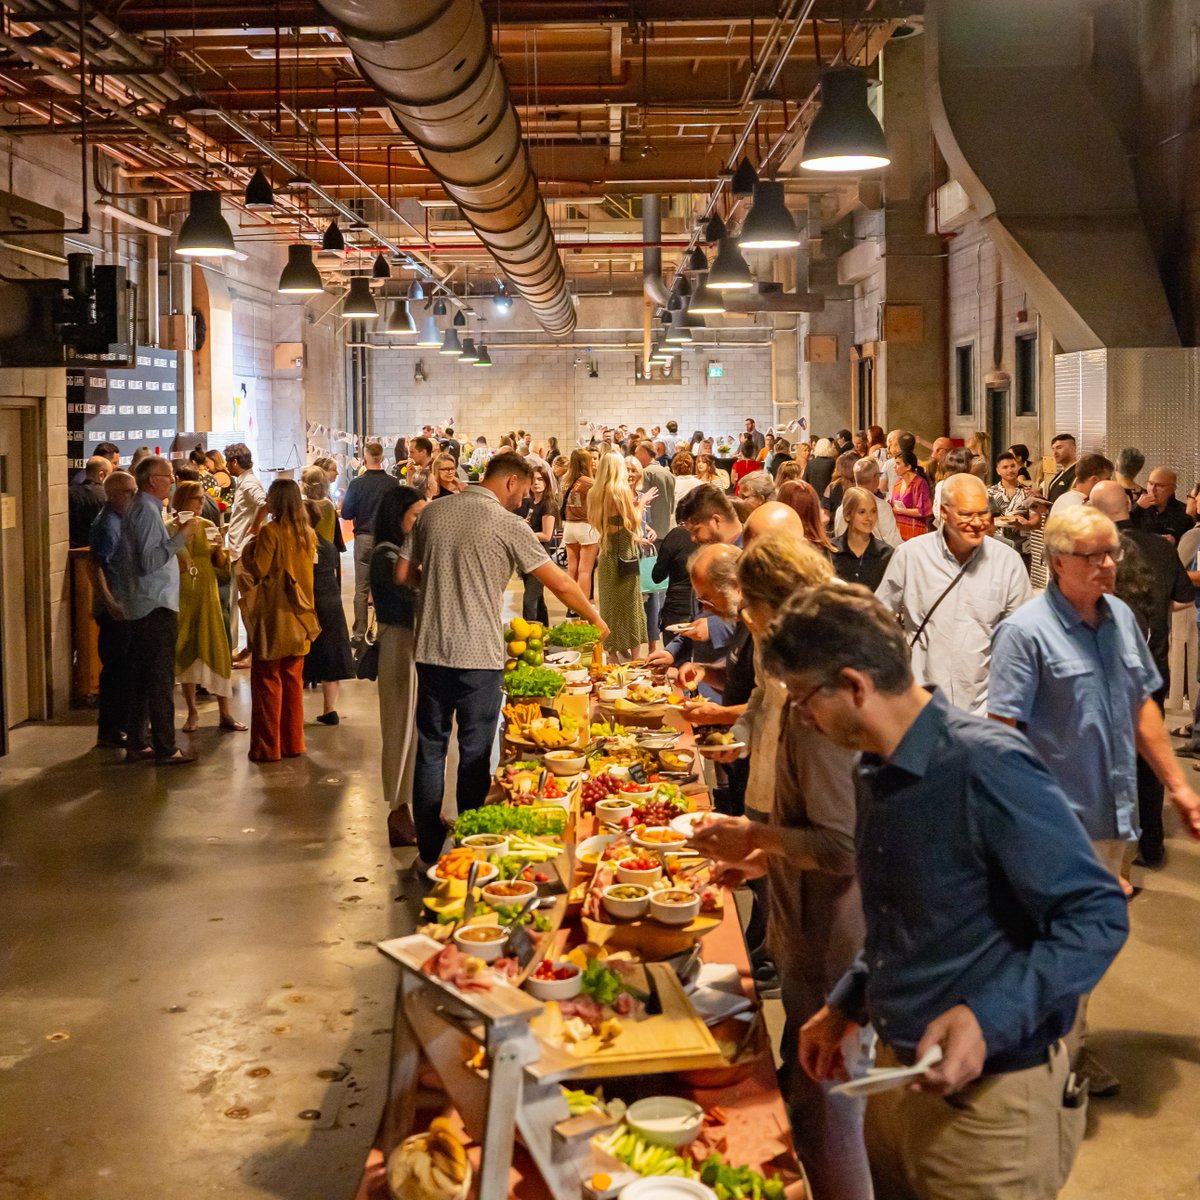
(148, 594)
(1072, 670)
(986, 914)
(950, 589)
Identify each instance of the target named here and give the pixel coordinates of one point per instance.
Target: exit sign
(715, 370)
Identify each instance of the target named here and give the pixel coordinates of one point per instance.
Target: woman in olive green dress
(202, 645)
(613, 510)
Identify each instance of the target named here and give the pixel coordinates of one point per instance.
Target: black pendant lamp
(697, 260)
(484, 359)
(300, 277)
(259, 193)
(380, 268)
(706, 302)
(744, 179)
(845, 134)
(460, 321)
(332, 238)
(729, 271)
(451, 346)
(359, 303)
(683, 287)
(469, 355)
(400, 322)
(714, 231)
(768, 224)
(205, 233)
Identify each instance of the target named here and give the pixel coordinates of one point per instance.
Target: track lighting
(205, 233)
(845, 134)
(300, 277)
(359, 303)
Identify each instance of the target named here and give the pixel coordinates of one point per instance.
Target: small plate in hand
(884, 1079)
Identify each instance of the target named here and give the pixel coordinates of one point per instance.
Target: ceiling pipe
(432, 61)
(655, 288)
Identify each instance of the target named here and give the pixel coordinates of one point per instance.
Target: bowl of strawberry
(641, 868)
(554, 980)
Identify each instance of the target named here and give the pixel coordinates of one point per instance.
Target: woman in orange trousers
(277, 571)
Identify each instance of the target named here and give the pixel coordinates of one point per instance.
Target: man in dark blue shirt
(360, 504)
(987, 916)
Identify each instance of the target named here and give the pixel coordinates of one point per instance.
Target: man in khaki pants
(987, 915)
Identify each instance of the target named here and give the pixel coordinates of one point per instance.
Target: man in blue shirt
(987, 916)
(1073, 659)
(148, 593)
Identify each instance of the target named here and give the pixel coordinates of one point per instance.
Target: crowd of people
(942, 769)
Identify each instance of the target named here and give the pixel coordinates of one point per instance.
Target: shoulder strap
(916, 637)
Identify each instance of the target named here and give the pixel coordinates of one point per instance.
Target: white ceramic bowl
(617, 770)
(506, 899)
(565, 657)
(674, 914)
(608, 694)
(556, 989)
(644, 792)
(495, 845)
(666, 1187)
(575, 675)
(665, 1120)
(633, 875)
(564, 762)
(613, 809)
(487, 872)
(668, 844)
(626, 909)
(596, 845)
(485, 948)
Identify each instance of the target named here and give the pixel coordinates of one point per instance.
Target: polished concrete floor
(191, 1002)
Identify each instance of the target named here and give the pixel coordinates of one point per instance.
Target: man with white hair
(866, 476)
(1074, 673)
(754, 490)
(950, 590)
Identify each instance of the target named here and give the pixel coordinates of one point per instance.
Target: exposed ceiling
(615, 100)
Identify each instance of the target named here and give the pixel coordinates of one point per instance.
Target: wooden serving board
(674, 1040)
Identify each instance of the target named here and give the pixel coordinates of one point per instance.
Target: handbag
(646, 563)
(366, 657)
(626, 566)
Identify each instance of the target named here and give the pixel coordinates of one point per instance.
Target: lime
(532, 657)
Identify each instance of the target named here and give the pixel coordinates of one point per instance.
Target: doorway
(14, 642)
(862, 386)
(997, 423)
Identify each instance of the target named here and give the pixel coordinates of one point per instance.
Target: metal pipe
(432, 61)
(652, 281)
(128, 218)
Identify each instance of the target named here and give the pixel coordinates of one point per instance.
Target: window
(964, 374)
(1025, 375)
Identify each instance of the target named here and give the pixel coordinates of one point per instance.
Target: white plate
(685, 823)
(561, 658)
(679, 627)
(709, 751)
(884, 1079)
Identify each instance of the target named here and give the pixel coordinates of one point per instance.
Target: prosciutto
(463, 971)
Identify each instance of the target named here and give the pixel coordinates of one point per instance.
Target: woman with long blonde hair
(579, 539)
(281, 622)
(614, 512)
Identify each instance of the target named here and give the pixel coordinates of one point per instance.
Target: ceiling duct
(655, 288)
(432, 62)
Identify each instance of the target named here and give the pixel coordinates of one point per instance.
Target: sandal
(232, 725)
(1182, 731)
(190, 725)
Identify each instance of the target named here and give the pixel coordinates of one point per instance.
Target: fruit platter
(529, 724)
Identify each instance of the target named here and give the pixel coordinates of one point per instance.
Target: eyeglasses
(968, 518)
(1116, 553)
(801, 705)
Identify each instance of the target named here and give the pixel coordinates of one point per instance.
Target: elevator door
(12, 547)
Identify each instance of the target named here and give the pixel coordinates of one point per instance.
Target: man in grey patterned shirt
(461, 555)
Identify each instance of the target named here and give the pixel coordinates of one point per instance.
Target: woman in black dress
(329, 660)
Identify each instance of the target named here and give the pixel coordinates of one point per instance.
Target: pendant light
(484, 359)
(380, 268)
(332, 238)
(359, 303)
(205, 233)
(469, 355)
(768, 224)
(714, 230)
(729, 271)
(679, 333)
(439, 307)
(400, 322)
(416, 290)
(697, 260)
(683, 288)
(460, 322)
(744, 179)
(259, 193)
(430, 335)
(300, 277)
(451, 346)
(845, 134)
(674, 304)
(706, 301)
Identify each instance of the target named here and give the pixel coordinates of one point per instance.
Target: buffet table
(477, 1061)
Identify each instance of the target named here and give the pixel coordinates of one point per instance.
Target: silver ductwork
(432, 62)
(653, 285)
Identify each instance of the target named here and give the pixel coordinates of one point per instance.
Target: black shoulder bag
(916, 637)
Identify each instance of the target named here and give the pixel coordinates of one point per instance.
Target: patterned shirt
(248, 497)
(467, 552)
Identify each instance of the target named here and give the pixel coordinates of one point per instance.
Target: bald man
(1158, 510)
(950, 589)
(86, 499)
(772, 517)
(937, 457)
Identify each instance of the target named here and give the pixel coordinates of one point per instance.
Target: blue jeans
(444, 693)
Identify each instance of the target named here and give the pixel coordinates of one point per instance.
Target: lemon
(537, 630)
(516, 649)
(511, 665)
(520, 627)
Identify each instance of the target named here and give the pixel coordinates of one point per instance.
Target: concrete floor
(188, 966)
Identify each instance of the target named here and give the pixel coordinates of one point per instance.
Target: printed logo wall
(128, 406)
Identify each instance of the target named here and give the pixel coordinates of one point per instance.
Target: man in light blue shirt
(148, 593)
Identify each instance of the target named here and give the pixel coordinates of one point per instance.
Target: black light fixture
(332, 238)
(380, 268)
(683, 287)
(416, 290)
(205, 233)
(484, 359)
(768, 224)
(460, 321)
(359, 304)
(259, 193)
(400, 322)
(678, 332)
(697, 260)
(729, 271)
(469, 354)
(451, 346)
(431, 335)
(845, 134)
(744, 179)
(706, 301)
(674, 304)
(439, 307)
(714, 231)
(300, 277)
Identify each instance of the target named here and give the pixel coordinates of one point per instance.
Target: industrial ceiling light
(400, 322)
(697, 260)
(705, 300)
(683, 287)
(332, 238)
(674, 304)
(300, 277)
(451, 346)
(259, 193)
(845, 134)
(503, 301)
(205, 233)
(744, 179)
(714, 231)
(679, 333)
(359, 303)
(729, 271)
(430, 335)
(469, 355)
(380, 268)
(460, 322)
(484, 359)
(768, 224)
(439, 307)
(416, 290)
